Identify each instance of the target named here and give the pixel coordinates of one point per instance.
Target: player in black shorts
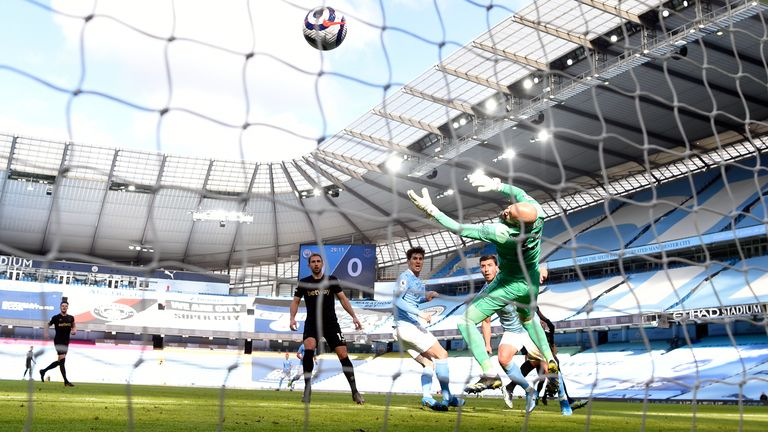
(529, 365)
(65, 326)
(317, 290)
(30, 359)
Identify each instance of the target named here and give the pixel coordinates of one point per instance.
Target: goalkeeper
(517, 236)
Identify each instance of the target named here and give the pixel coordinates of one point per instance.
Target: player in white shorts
(514, 339)
(414, 338)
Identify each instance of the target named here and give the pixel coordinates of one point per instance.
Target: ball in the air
(324, 28)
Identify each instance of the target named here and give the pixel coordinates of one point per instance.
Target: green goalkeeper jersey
(513, 241)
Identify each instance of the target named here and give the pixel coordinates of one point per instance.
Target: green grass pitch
(36, 406)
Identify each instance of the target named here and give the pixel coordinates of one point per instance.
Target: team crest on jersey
(403, 283)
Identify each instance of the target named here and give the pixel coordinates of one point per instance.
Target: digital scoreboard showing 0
(354, 264)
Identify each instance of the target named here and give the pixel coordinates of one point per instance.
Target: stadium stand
(745, 282)
(720, 199)
(640, 293)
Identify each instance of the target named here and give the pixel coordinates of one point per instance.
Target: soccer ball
(324, 29)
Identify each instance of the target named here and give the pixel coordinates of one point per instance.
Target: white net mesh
(157, 156)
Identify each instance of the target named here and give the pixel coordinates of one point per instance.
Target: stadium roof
(621, 89)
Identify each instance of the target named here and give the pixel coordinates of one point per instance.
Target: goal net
(169, 168)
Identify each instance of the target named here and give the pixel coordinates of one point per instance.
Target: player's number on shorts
(355, 267)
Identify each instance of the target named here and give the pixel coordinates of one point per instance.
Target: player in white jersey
(414, 338)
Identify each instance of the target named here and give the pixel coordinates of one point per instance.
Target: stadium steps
(707, 279)
(590, 304)
(574, 240)
(747, 366)
(746, 209)
(647, 227)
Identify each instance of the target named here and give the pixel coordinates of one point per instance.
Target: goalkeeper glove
(423, 203)
(483, 183)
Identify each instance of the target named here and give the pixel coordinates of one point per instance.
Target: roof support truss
(103, 202)
(517, 58)
(7, 170)
(553, 31)
(361, 197)
(151, 209)
(629, 16)
(245, 197)
(473, 78)
(54, 197)
(199, 202)
(325, 154)
(275, 231)
(450, 103)
(407, 120)
(332, 203)
(335, 165)
(310, 221)
(376, 140)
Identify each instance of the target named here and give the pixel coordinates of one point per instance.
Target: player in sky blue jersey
(414, 338)
(285, 372)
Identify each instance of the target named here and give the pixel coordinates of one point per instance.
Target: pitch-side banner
(125, 308)
(29, 305)
(33, 303)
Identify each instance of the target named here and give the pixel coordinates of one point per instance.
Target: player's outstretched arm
(293, 310)
(484, 183)
(348, 307)
(543, 274)
(424, 203)
(497, 233)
